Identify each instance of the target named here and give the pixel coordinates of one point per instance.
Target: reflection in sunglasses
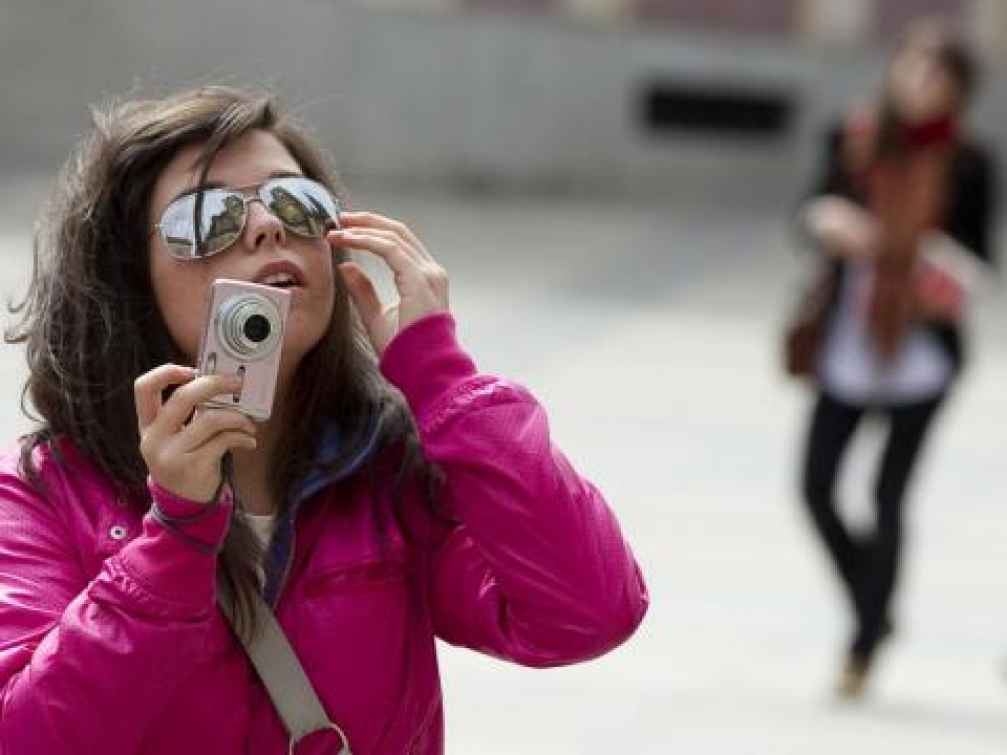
(302, 213)
(225, 226)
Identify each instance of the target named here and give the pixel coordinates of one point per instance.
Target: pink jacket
(111, 640)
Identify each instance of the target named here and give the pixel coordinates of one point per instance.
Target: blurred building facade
(845, 21)
(610, 97)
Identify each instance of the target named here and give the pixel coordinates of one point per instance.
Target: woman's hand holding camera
(422, 284)
(182, 444)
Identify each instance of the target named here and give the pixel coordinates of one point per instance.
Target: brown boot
(852, 681)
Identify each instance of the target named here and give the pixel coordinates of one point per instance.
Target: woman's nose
(262, 228)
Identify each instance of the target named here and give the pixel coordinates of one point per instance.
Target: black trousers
(868, 565)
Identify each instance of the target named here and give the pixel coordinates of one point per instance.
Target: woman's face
(919, 87)
(182, 287)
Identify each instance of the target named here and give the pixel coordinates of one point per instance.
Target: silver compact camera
(242, 335)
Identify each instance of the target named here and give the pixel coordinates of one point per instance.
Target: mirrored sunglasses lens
(222, 216)
(305, 206)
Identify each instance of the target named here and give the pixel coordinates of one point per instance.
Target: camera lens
(257, 329)
(249, 327)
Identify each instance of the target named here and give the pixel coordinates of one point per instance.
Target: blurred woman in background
(902, 211)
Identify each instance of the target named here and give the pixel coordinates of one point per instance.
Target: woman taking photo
(396, 495)
(903, 206)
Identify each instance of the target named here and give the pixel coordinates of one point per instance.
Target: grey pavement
(649, 333)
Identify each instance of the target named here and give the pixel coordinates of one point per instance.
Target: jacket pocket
(360, 576)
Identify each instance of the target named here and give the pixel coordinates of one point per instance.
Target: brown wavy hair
(91, 325)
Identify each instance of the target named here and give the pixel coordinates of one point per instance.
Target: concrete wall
(478, 101)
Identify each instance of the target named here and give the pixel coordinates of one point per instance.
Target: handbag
(805, 330)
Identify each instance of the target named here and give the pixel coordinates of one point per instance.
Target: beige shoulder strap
(283, 676)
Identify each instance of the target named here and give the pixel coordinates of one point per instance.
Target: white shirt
(852, 370)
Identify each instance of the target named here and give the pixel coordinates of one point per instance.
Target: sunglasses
(207, 222)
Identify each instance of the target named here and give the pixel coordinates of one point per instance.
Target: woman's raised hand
(422, 284)
(181, 443)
